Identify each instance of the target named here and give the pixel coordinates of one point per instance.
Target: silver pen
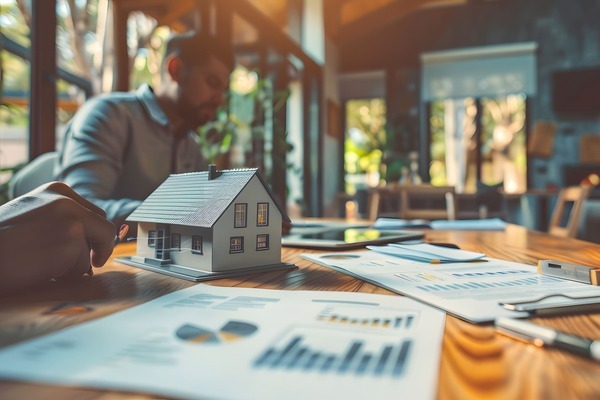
(544, 336)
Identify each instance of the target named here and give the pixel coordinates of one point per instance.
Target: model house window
(262, 214)
(241, 213)
(262, 242)
(151, 238)
(175, 241)
(236, 244)
(196, 244)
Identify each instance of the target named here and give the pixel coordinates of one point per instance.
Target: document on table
(471, 291)
(216, 342)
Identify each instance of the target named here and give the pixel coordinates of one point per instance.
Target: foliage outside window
(365, 143)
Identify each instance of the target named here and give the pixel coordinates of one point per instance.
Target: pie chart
(230, 332)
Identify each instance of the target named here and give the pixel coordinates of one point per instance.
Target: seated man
(120, 147)
(51, 232)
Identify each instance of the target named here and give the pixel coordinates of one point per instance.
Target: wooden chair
(437, 202)
(577, 195)
(384, 202)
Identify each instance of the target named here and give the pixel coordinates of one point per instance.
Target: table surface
(476, 362)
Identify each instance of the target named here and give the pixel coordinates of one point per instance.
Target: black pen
(544, 336)
(118, 239)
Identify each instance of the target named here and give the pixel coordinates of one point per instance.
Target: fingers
(100, 234)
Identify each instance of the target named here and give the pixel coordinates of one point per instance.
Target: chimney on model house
(212, 172)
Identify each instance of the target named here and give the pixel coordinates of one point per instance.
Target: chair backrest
(490, 201)
(436, 202)
(577, 195)
(36, 173)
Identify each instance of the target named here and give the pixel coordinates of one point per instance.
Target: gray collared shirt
(119, 148)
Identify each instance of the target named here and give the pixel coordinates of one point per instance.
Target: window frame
(240, 221)
(266, 242)
(195, 248)
(152, 238)
(235, 248)
(264, 213)
(175, 242)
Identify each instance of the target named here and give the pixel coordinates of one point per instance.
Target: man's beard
(195, 117)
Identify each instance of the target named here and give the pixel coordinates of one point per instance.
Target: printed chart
(337, 353)
(230, 332)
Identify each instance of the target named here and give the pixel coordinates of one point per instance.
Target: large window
(477, 114)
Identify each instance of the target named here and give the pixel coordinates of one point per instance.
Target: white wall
(224, 230)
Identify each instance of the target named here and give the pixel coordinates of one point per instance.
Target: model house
(212, 221)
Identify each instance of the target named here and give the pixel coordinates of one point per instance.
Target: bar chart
(368, 318)
(329, 351)
(479, 283)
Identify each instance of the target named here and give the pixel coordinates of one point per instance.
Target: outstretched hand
(51, 232)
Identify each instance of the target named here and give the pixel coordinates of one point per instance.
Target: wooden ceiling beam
(387, 15)
(177, 10)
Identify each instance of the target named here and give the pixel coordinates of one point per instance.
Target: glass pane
(14, 113)
(12, 23)
(149, 50)
(503, 150)
(70, 98)
(453, 148)
(364, 144)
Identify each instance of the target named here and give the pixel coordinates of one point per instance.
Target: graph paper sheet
(236, 343)
(471, 291)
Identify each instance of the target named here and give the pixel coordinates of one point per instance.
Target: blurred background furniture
(427, 202)
(412, 202)
(575, 195)
(39, 171)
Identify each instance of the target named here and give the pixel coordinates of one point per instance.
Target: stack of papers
(490, 224)
(429, 253)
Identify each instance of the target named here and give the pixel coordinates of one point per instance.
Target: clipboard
(542, 307)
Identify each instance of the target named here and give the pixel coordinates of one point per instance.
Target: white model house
(212, 221)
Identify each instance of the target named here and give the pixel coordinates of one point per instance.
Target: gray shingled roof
(193, 200)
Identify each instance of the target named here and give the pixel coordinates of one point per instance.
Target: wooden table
(476, 362)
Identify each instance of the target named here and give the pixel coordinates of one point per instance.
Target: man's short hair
(195, 49)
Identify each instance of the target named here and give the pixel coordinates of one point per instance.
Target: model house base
(193, 275)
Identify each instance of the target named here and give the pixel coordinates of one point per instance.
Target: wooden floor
(476, 362)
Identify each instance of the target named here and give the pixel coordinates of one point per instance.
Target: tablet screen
(348, 238)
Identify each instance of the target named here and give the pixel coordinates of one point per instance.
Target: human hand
(51, 232)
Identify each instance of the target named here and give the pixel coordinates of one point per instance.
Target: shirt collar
(150, 103)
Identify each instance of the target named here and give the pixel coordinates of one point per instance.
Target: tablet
(349, 238)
